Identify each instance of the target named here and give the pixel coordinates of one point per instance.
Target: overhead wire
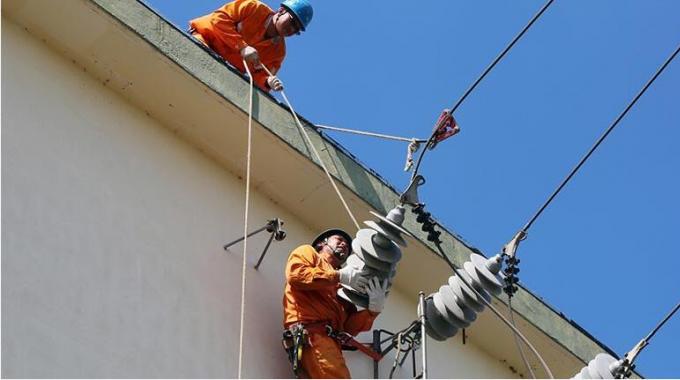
(521, 235)
(599, 141)
(432, 137)
(658, 326)
(481, 77)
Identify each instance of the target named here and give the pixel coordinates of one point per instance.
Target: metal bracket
(510, 248)
(273, 226)
(623, 368)
(410, 195)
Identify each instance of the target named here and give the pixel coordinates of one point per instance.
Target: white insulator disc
(469, 297)
(450, 317)
(370, 273)
(437, 321)
(430, 331)
(476, 281)
(602, 362)
(354, 297)
(592, 370)
(433, 334)
(355, 262)
(492, 281)
(364, 238)
(584, 374)
(391, 224)
(371, 261)
(395, 237)
(456, 306)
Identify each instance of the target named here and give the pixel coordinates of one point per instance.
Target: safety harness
(296, 337)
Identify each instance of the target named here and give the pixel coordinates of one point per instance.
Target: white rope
(412, 148)
(245, 225)
(517, 342)
(364, 133)
(318, 157)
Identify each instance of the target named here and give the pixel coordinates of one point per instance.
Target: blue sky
(604, 253)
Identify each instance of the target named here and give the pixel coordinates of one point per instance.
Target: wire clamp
(623, 369)
(445, 127)
(410, 195)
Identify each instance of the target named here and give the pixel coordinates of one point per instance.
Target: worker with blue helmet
(249, 30)
(302, 11)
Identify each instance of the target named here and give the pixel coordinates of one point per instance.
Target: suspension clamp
(510, 248)
(410, 195)
(445, 127)
(623, 368)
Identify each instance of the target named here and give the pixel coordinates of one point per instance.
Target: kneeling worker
(250, 30)
(311, 303)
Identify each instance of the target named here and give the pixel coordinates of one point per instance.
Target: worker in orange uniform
(311, 304)
(249, 30)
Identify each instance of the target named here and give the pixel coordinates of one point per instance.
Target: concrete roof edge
(131, 14)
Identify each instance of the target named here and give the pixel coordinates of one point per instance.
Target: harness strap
(345, 339)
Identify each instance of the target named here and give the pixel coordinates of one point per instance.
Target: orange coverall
(239, 24)
(311, 297)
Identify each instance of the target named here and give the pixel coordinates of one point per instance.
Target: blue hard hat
(301, 9)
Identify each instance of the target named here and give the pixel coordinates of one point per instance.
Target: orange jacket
(311, 295)
(239, 24)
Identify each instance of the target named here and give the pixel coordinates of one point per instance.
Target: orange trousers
(323, 359)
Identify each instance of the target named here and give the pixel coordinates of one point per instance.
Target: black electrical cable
(651, 334)
(488, 69)
(599, 141)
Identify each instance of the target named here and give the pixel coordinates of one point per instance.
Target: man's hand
(275, 83)
(251, 56)
(376, 294)
(353, 278)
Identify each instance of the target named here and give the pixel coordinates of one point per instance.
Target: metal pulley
(376, 252)
(455, 306)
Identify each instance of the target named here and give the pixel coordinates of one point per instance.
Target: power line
(486, 71)
(651, 334)
(599, 141)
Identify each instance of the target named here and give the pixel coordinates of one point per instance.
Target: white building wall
(112, 234)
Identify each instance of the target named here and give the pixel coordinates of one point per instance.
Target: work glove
(251, 56)
(376, 290)
(275, 83)
(353, 278)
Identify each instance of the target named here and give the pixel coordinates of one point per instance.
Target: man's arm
(358, 321)
(303, 273)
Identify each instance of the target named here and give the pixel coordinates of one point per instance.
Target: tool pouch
(294, 340)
